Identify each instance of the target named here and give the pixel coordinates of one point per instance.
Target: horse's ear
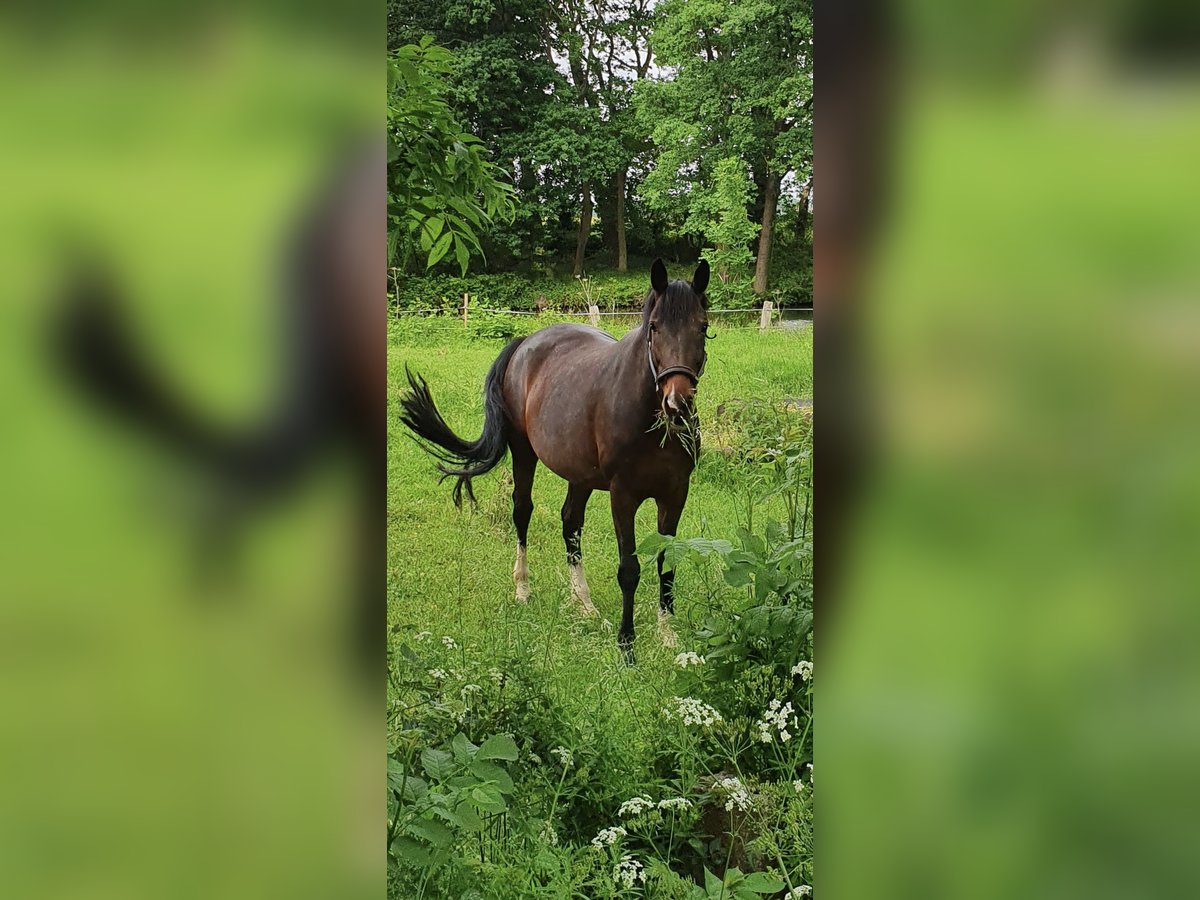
(700, 279)
(658, 276)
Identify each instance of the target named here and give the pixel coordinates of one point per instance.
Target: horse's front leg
(629, 572)
(669, 511)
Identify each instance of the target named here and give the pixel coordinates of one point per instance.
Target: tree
(738, 82)
(442, 188)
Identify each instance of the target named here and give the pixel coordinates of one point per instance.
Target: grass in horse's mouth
(686, 427)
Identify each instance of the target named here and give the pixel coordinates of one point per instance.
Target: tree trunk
(585, 227)
(764, 237)
(622, 258)
(802, 212)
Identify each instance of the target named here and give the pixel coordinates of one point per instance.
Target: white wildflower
(469, 689)
(608, 836)
(439, 674)
(675, 803)
(778, 717)
(565, 756)
(496, 675)
(548, 835)
(450, 643)
(635, 806)
(628, 872)
(798, 786)
(810, 774)
(796, 893)
(683, 660)
(692, 712)
(804, 669)
(422, 635)
(735, 793)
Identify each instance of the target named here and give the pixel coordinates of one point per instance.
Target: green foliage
(442, 188)
(670, 752)
(723, 215)
(624, 290)
(742, 88)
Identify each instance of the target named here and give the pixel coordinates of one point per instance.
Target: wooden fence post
(594, 315)
(466, 299)
(764, 321)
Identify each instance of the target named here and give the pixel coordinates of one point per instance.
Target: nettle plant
(456, 793)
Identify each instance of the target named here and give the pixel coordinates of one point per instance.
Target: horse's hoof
(522, 593)
(627, 656)
(666, 632)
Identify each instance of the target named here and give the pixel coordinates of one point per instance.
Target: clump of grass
(685, 428)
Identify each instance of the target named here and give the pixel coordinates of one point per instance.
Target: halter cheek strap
(658, 376)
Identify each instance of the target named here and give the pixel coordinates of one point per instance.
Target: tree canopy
(583, 131)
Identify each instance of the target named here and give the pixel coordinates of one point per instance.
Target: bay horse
(604, 415)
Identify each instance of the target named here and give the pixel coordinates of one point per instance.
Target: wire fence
(447, 311)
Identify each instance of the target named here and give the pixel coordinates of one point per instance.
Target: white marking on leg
(521, 576)
(579, 589)
(665, 631)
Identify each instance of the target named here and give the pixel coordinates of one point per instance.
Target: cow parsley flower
(675, 803)
(439, 674)
(683, 660)
(804, 669)
(565, 756)
(635, 806)
(496, 675)
(450, 643)
(628, 872)
(798, 786)
(778, 717)
(468, 689)
(734, 793)
(796, 893)
(422, 635)
(608, 836)
(692, 712)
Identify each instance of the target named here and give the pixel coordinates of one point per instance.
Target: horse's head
(675, 326)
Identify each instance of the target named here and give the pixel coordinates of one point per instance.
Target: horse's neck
(632, 393)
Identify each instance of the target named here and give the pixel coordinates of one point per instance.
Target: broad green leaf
(498, 746)
(762, 883)
(489, 771)
(438, 764)
(464, 750)
(405, 849)
(439, 250)
(434, 832)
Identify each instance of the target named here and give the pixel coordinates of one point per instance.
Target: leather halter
(658, 376)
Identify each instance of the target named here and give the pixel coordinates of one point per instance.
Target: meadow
(526, 759)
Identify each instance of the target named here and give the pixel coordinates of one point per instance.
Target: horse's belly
(567, 448)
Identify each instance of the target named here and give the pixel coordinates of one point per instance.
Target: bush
(511, 291)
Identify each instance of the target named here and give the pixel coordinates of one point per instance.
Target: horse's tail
(458, 458)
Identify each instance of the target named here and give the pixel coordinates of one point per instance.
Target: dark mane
(676, 306)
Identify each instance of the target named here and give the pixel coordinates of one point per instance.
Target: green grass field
(450, 574)
(452, 570)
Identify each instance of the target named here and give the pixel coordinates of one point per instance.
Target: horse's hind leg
(572, 519)
(669, 512)
(524, 465)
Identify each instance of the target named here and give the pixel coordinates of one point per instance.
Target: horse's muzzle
(678, 392)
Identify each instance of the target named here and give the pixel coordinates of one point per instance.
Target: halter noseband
(658, 376)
